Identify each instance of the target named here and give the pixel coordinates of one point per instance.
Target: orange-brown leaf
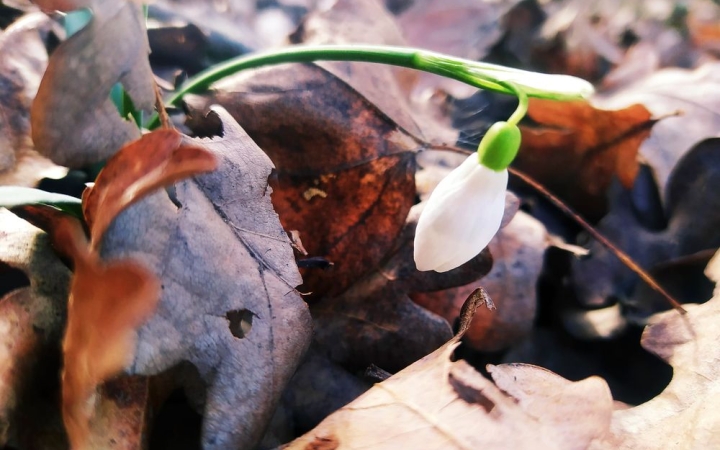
(107, 302)
(575, 149)
(157, 159)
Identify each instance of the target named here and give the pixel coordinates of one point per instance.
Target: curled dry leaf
(31, 316)
(438, 403)
(112, 48)
(575, 150)
(107, 302)
(228, 274)
(157, 159)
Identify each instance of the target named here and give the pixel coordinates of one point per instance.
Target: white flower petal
(461, 216)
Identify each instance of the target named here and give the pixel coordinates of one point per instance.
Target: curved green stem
(522, 106)
(481, 75)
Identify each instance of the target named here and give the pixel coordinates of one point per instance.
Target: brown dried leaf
(157, 159)
(686, 100)
(438, 403)
(74, 121)
(108, 301)
(228, 305)
(575, 150)
(683, 415)
(31, 317)
(375, 322)
(345, 171)
(120, 418)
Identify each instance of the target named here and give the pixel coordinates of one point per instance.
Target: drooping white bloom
(462, 215)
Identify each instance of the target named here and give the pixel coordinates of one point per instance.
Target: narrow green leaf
(12, 196)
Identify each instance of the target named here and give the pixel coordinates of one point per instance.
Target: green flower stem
(477, 74)
(523, 103)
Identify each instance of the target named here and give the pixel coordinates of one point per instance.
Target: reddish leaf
(157, 159)
(575, 150)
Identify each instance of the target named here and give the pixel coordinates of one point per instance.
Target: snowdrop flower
(465, 210)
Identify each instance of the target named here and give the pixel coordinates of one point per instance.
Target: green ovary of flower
(499, 146)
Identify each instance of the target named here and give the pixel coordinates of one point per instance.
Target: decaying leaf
(575, 150)
(31, 316)
(438, 403)
(683, 416)
(22, 63)
(228, 303)
(343, 141)
(111, 48)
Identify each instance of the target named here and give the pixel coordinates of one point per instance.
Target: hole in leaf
(172, 195)
(240, 322)
(11, 279)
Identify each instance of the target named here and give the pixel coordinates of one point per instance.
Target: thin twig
(622, 256)
(160, 106)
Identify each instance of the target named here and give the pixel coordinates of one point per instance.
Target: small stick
(160, 106)
(622, 256)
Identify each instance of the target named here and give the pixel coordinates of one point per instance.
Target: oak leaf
(228, 303)
(438, 403)
(683, 415)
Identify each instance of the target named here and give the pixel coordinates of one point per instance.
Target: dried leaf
(108, 301)
(692, 223)
(111, 48)
(120, 418)
(575, 150)
(225, 263)
(685, 100)
(344, 170)
(374, 322)
(157, 159)
(683, 415)
(23, 59)
(438, 403)
(31, 317)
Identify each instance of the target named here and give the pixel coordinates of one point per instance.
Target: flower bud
(499, 146)
(462, 215)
